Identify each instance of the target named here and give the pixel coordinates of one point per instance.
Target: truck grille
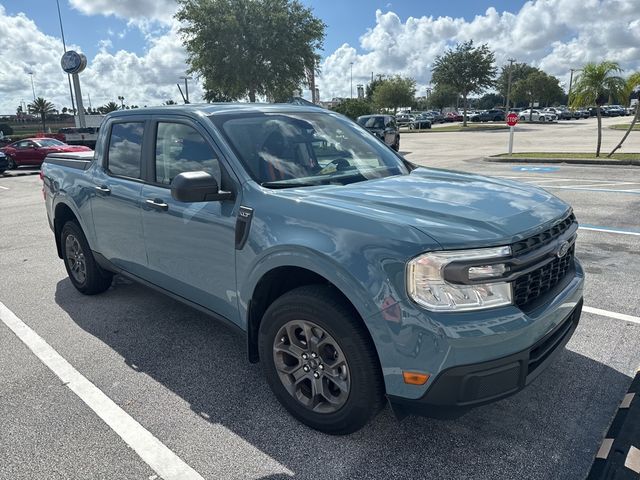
(529, 244)
(536, 283)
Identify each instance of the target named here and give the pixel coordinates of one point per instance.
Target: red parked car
(453, 117)
(32, 151)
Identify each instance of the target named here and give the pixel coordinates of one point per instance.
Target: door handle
(157, 204)
(103, 190)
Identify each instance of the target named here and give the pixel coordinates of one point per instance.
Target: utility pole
(33, 90)
(64, 46)
(186, 87)
(312, 83)
(511, 60)
(351, 79)
(571, 83)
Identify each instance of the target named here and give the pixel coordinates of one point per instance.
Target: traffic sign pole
(511, 129)
(512, 120)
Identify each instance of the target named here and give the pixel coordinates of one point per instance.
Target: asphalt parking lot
(185, 379)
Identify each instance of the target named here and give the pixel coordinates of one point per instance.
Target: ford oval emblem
(564, 248)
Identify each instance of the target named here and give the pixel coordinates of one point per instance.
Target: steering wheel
(341, 164)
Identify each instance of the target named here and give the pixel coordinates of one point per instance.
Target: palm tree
(109, 107)
(595, 85)
(170, 102)
(632, 83)
(42, 107)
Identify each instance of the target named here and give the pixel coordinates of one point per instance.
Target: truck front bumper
(457, 389)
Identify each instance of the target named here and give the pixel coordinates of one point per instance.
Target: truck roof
(218, 108)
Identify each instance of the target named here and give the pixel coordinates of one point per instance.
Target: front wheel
(84, 272)
(319, 360)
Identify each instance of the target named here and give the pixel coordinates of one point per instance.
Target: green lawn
(624, 126)
(460, 128)
(592, 155)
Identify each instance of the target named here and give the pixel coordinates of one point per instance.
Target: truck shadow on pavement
(550, 430)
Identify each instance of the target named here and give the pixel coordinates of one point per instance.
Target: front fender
(314, 261)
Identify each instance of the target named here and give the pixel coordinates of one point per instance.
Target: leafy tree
(441, 97)
(519, 71)
(538, 86)
(354, 107)
(489, 100)
(466, 69)
(109, 107)
(594, 86)
(395, 92)
(246, 48)
(169, 102)
(632, 83)
(43, 108)
(371, 87)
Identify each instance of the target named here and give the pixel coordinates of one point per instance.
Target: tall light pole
(351, 79)
(511, 60)
(571, 83)
(33, 90)
(64, 46)
(186, 86)
(121, 98)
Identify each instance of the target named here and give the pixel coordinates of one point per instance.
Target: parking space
(185, 379)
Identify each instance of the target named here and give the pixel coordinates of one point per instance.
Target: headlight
(426, 284)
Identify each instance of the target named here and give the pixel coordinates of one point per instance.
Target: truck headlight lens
(427, 286)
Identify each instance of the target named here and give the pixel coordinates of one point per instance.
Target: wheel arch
(62, 213)
(276, 278)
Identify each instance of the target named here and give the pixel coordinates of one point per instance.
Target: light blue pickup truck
(357, 277)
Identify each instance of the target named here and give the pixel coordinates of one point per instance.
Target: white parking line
(609, 230)
(607, 313)
(151, 450)
(4, 188)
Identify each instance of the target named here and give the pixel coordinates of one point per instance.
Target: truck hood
(457, 210)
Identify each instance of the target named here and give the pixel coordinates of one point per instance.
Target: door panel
(190, 246)
(115, 201)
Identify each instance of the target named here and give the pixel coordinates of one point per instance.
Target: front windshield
(49, 142)
(282, 150)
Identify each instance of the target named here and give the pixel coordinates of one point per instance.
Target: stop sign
(512, 119)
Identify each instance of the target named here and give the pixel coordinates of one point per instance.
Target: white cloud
(137, 10)
(146, 79)
(555, 35)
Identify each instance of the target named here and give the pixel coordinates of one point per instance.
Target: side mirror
(197, 187)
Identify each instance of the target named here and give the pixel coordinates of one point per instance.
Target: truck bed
(77, 160)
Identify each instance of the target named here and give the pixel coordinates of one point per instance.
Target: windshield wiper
(287, 184)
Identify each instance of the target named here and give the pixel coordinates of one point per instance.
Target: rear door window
(125, 149)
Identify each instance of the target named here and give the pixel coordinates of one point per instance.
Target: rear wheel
(319, 361)
(12, 163)
(85, 274)
(543, 119)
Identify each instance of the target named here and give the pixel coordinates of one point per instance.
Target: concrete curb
(619, 455)
(570, 161)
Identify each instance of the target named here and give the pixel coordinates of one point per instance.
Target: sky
(134, 49)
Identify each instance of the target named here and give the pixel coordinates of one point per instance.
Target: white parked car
(536, 116)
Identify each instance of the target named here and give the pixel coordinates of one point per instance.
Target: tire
(522, 119)
(2, 170)
(84, 272)
(542, 119)
(324, 314)
(12, 165)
